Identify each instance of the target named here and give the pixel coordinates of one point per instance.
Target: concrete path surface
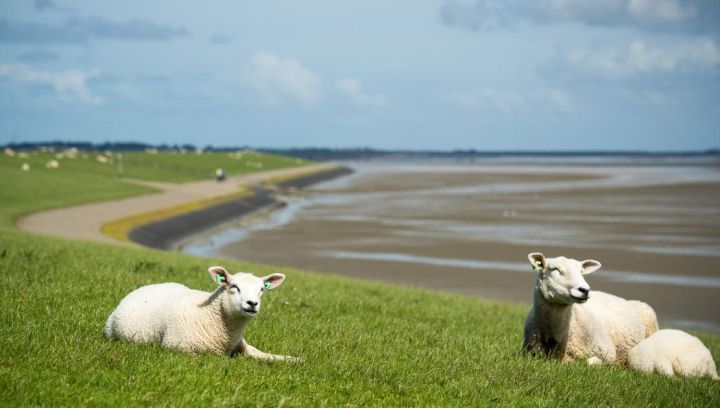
(84, 221)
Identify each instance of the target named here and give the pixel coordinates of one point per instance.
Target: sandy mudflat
(469, 228)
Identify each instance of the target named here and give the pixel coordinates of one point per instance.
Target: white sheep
(673, 352)
(567, 322)
(175, 316)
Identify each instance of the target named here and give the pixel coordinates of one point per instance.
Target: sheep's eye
(556, 270)
(234, 289)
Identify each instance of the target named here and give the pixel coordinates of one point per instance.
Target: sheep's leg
(664, 367)
(605, 355)
(605, 352)
(255, 353)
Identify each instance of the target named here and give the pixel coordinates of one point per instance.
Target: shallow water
(208, 243)
(618, 276)
(656, 228)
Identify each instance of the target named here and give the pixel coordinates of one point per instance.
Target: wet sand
(468, 229)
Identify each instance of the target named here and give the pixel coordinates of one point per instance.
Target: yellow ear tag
(536, 265)
(220, 278)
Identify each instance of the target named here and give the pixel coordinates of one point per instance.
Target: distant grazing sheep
(175, 316)
(567, 322)
(673, 352)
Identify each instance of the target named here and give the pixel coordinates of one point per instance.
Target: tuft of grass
(363, 343)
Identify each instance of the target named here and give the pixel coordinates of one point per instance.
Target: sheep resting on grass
(673, 352)
(175, 316)
(567, 322)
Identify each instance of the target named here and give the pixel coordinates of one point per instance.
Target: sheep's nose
(251, 303)
(584, 291)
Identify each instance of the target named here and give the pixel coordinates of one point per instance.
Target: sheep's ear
(590, 266)
(273, 280)
(537, 260)
(219, 275)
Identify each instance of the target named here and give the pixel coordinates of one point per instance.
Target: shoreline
(166, 233)
(90, 221)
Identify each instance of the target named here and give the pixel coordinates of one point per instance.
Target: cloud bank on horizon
(654, 15)
(441, 74)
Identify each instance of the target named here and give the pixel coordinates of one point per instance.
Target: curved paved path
(84, 221)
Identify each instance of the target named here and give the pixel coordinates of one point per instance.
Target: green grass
(75, 182)
(163, 166)
(191, 166)
(363, 343)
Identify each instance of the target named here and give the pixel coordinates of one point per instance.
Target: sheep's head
(561, 279)
(242, 291)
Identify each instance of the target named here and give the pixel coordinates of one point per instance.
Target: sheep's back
(673, 352)
(625, 321)
(145, 313)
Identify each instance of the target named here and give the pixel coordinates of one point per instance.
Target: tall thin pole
(120, 164)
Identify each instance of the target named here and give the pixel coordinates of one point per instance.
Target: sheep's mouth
(580, 299)
(252, 312)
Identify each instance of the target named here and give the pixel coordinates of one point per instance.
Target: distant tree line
(360, 153)
(88, 146)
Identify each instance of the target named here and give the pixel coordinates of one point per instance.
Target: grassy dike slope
(363, 343)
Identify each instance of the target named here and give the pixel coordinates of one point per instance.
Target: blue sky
(445, 74)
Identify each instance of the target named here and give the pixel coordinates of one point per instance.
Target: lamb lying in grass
(567, 322)
(673, 352)
(176, 316)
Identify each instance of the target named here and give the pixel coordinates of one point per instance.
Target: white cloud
(352, 88)
(661, 11)
(650, 14)
(555, 98)
(619, 11)
(507, 101)
(70, 84)
(277, 79)
(640, 58)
